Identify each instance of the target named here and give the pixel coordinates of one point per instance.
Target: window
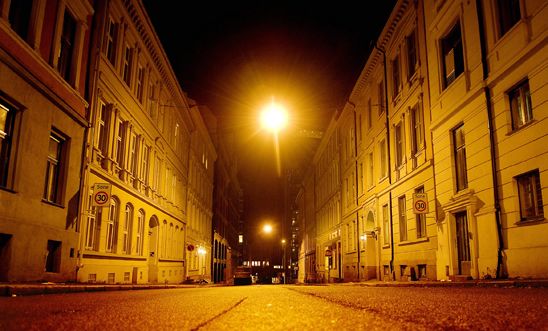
(398, 144)
(112, 226)
(67, 47)
(361, 181)
(151, 100)
(396, 78)
(369, 170)
(53, 257)
(93, 226)
(383, 157)
(385, 225)
(421, 219)
(459, 153)
(54, 167)
(412, 56)
(120, 143)
(417, 134)
(381, 100)
(126, 66)
(102, 128)
(111, 278)
(132, 162)
(144, 164)
(369, 122)
(509, 14)
(140, 82)
(530, 196)
(20, 17)
(520, 105)
(110, 41)
(7, 128)
(402, 218)
(452, 55)
(140, 232)
(128, 227)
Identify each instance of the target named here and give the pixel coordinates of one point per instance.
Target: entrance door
(5, 254)
(463, 243)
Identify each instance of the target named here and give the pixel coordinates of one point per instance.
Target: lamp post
(283, 259)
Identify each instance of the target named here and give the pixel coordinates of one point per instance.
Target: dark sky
(236, 56)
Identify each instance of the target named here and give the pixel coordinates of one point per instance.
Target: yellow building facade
(139, 143)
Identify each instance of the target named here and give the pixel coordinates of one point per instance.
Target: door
(463, 243)
(153, 250)
(5, 254)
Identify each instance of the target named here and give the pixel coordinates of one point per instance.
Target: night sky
(235, 57)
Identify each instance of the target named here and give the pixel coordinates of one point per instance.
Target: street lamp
(274, 118)
(283, 259)
(202, 252)
(267, 228)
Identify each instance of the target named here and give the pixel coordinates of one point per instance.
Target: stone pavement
(18, 289)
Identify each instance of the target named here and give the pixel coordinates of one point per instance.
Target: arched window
(177, 242)
(127, 229)
(171, 243)
(112, 225)
(140, 232)
(163, 252)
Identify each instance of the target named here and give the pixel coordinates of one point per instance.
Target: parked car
(242, 276)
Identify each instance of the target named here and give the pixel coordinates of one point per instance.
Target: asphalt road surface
(282, 307)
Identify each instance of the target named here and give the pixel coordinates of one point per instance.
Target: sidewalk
(25, 289)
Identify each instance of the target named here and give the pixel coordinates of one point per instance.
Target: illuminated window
(459, 155)
(530, 196)
(520, 105)
(402, 218)
(54, 167)
(7, 152)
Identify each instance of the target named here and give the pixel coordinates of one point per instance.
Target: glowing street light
(274, 118)
(267, 228)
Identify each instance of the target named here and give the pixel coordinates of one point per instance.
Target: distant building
(199, 206)
(44, 48)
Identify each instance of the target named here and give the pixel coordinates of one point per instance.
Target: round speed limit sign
(420, 203)
(101, 194)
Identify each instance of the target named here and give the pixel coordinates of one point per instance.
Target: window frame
(412, 53)
(395, 65)
(505, 16)
(459, 158)
(399, 144)
(54, 179)
(111, 236)
(448, 46)
(417, 129)
(520, 104)
(530, 178)
(8, 142)
(402, 218)
(386, 225)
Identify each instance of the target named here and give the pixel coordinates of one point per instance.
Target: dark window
(67, 46)
(381, 97)
(53, 259)
(459, 153)
(19, 17)
(110, 41)
(7, 123)
(396, 79)
(52, 189)
(452, 55)
(126, 69)
(530, 195)
(403, 218)
(399, 144)
(520, 105)
(102, 130)
(412, 58)
(509, 14)
(417, 129)
(421, 219)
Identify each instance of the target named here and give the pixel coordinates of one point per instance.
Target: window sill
(531, 221)
(52, 203)
(7, 190)
(412, 242)
(523, 127)
(386, 246)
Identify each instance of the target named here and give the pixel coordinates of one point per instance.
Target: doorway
(5, 256)
(463, 244)
(153, 250)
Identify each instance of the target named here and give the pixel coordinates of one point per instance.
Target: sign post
(420, 203)
(101, 194)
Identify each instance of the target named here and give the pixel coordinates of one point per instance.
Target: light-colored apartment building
(139, 143)
(43, 119)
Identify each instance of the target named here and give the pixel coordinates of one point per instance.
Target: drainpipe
(387, 124)
(356, 180)
(492, 145)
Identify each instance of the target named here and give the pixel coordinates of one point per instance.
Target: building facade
(139, 143)
(43, 119)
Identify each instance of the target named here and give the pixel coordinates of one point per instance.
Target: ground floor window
(53, 259)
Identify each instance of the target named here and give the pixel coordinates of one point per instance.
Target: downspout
(492, 149)
(94, 54)
(356, 180)
(387, 124)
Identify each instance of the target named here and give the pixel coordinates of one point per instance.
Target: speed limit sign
(101, 194)
(420, 203)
